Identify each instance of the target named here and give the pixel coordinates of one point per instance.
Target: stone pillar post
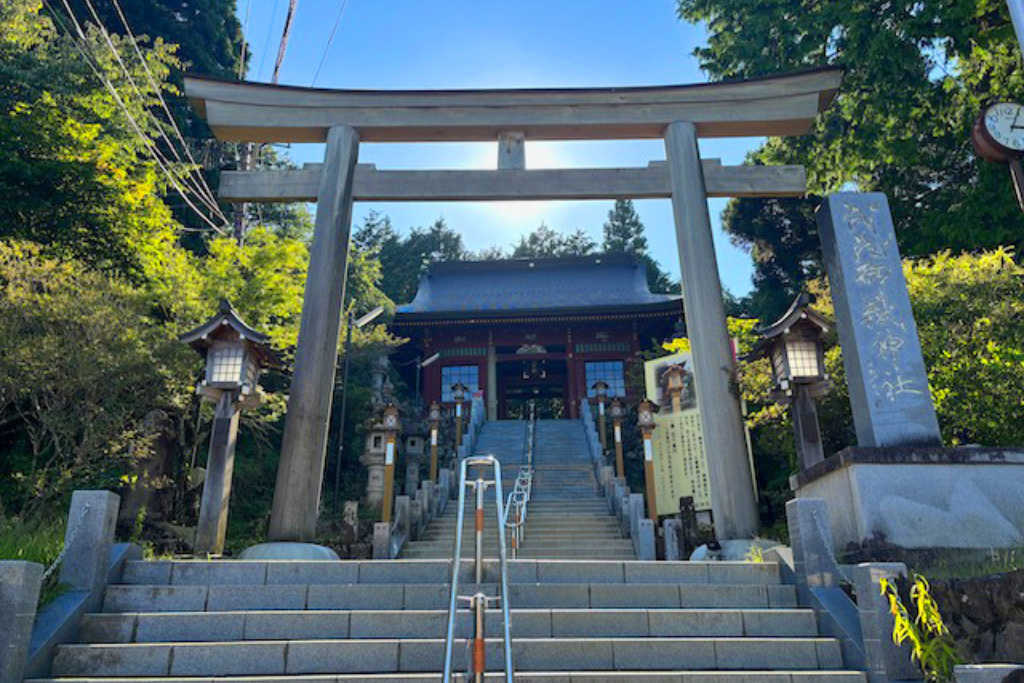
(19, 593)
(92, 519)
(732, 494)
(301, 469)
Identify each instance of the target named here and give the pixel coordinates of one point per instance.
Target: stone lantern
(235, 355)
(795, 344)
(618, 411)
(600, 388)
(645, 420)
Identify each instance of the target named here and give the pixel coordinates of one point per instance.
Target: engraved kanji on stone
(894, 388)
(872, 274)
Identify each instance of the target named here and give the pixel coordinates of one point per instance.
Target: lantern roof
(227, 324)
(799, 313)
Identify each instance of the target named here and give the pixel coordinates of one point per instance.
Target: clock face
(1004, 122)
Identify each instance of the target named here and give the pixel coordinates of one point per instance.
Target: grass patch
(34, 541)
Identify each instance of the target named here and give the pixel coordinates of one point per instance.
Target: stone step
(210, 574)
(281, 657)
(156, 627)
(778, 676)
(215, 598)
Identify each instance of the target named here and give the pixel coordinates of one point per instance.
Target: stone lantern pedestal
(373, 460)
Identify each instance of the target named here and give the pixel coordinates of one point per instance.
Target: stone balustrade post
(673, 529)
(403, 516)
(20, 583)
(417, 523)
(809, 536)
(87, 541)
(884, 659)
(382, 541)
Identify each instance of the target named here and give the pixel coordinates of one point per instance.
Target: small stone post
(20, 583)
(87, 540)
(885, 660)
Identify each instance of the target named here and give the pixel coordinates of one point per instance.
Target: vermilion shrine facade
(532, 329)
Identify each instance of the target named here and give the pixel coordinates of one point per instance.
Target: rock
(1009, 643)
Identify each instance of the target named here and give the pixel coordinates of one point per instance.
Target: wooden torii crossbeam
(786, 104)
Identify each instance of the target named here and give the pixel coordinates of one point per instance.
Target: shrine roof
(607, 283)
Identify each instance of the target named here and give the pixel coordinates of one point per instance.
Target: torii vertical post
(304, 447)
(732, 493)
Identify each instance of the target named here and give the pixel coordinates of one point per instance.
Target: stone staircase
(313, 622)
(566, 519)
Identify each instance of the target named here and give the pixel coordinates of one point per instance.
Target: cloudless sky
(418, 44)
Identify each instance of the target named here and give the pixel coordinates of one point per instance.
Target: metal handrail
(479, 600)
(518, 504)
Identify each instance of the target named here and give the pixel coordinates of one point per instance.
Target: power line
(163, 103)
(201, 187)
(97, 70)
(330, 39)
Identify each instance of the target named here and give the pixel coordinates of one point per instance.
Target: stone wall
(985, 614)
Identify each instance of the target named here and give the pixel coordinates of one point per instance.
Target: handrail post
(478, 602)
(478, 557)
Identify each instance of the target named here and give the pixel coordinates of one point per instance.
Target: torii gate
(255, 112)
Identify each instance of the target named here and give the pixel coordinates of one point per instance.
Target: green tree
(404, 259)
(74, 174)
(624, 232)
(916, 77)
(545, 242)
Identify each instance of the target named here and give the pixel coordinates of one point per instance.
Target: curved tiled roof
(609, 282)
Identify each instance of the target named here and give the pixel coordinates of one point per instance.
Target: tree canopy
(916, 77)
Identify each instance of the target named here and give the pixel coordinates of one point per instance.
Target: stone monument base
(967, 497)
(288, 551)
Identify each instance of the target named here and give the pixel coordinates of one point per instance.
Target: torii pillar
(732, 491)
(304, 448)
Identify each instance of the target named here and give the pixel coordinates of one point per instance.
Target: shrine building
(542, 329)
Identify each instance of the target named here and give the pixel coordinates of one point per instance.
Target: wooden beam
(371, 184)
(782, 105)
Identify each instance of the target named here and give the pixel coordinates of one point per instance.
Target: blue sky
(487, 44)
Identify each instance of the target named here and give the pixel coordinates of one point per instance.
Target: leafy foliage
(931, 644)
(73, 172)
(916, 77)
(545, 242)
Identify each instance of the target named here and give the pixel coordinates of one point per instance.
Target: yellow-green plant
(930, 641)
(755, 554)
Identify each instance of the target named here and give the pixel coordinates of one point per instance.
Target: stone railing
(628, 507)
(89, 561)
(411, 517)
(862, 627)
